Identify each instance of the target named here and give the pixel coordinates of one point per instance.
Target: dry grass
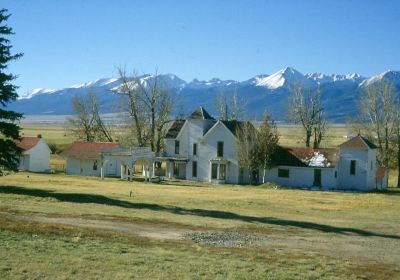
(305, 234)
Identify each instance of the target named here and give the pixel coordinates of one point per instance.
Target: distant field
(63, 227)
(289, 135)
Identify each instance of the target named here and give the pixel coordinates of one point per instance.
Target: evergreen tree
(9, 129)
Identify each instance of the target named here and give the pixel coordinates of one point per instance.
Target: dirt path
(144, 230)
(342, 246)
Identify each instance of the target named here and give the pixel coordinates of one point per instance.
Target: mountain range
(261, 93)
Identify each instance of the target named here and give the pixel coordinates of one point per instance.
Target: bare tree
(148, 105)
(247, 148)
(267, 138)
(378, 115)
(86, 123)
(305, 108)
(229, 107)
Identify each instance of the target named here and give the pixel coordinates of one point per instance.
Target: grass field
(63, 227)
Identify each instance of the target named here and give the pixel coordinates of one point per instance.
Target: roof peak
(358, 142)
(201, 113)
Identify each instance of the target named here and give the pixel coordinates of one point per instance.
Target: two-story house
(201, 148)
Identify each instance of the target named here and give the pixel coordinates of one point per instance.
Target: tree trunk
(308, 137)
(264, 173)
(398, 157)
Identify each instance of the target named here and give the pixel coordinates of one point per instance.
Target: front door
(317, 177)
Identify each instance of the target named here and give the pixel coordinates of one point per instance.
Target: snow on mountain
(339, 92)
(283, 78)
(214, 82)
(36, 91)
(387, 76)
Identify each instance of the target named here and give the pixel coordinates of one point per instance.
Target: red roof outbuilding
(26, 143)
(87, 149)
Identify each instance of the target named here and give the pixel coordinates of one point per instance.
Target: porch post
(102, 173)
(122, 172)
(219, 167)
(154, 168)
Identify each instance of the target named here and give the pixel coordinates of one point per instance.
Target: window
(220, 149)
(283, 173)
(194, 169)
(372, 165)
(335, 174)
(222, 171)
(176, 147)
(95, 165)
(176, 169)
(214, 171)
(352, 167)
(194, 149)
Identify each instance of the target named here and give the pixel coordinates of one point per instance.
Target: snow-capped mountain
(260, 93)
(389, 76)
(283, 78)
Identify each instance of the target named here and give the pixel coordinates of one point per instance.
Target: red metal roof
(26, 143)
(87, 149)
(358, 142)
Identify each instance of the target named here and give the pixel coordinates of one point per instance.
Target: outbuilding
(35, 155)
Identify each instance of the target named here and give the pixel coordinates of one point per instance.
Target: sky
(67, 42)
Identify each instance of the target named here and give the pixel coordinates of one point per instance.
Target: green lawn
(63, 227)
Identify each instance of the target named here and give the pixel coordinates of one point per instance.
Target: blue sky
(71, 41)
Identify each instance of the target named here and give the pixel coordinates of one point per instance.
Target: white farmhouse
(35, 155)
(201, 148)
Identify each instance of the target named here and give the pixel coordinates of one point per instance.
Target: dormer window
(176, 147)
(220, 149)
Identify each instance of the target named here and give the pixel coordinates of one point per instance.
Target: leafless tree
(148, 105)
(378, 113)
(380, 120)
(305, 108)
(267, 138)
(230, 107)
(86, 122)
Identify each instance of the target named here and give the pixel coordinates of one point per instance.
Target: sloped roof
(175, 128)
(306, 157)
(26, 143)
(358, 142)
(235, 126)
(201, 114)
(87, 149)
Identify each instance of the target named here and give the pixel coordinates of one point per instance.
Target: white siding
(37, 159)
(76, 166)
(301, 177)
(359, 180)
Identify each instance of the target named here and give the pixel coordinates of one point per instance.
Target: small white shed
(35, 155)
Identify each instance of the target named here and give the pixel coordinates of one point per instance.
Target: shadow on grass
(388, 191)
(100, 199)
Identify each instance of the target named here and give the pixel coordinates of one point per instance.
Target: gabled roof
(26, 143)
(87, 149)
(201, 114)
(232, 126)
(306, 157)
(175, 128)
(235, 126)
(358, 142)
